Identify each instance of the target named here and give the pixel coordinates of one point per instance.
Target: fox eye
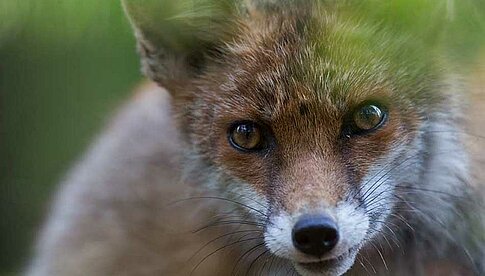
(245, 136)
(368, 117)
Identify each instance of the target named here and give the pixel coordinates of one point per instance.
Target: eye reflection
(245, 136)
(368, 117)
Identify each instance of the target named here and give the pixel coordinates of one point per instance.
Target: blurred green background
(64, 67)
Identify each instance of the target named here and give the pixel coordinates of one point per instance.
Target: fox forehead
(314, 60)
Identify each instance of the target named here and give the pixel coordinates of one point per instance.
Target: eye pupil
(246, 136)
(368, 117)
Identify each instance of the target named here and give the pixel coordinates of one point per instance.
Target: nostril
(315, 235)
(326, 237)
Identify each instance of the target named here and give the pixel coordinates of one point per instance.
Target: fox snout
(319, 238)
(315, 235)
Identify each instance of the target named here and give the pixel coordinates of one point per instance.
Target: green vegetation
(64, 67)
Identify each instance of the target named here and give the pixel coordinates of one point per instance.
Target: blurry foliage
(64, 65)
(454, 27)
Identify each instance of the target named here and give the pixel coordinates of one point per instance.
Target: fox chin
(304, 137)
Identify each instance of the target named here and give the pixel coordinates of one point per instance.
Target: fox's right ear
(176, 37)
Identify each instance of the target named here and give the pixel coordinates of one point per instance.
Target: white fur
(244, 193)
(352, 224)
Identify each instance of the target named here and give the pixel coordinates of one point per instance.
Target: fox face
(317, 153)
(309, 116)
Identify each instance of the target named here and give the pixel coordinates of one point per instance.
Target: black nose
(315, 235)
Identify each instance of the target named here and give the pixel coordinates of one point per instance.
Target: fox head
(311, 113)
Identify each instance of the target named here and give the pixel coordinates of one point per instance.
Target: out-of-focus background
(64, 67)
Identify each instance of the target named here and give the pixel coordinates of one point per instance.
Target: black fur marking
(304, 110)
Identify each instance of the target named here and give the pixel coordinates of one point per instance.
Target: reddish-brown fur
(259, 79)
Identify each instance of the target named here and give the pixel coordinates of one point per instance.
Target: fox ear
(176, 37)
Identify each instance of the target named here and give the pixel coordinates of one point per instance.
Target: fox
(280, 138)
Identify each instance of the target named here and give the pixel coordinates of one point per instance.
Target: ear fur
(175, 37)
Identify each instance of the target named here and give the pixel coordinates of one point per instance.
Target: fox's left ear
(175, 38)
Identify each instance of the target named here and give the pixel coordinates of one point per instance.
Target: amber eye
(245, 136)
(368, 117)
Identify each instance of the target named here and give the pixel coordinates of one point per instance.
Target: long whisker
(363, 266)
(222, 236)
(219, 249)
(222, 199)
(228, 222)
(380, 254)
(256, 259)
(247, 253)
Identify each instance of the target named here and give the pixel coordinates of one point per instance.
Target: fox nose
(315, 235)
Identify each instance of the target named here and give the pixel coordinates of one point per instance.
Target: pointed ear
(176, 37)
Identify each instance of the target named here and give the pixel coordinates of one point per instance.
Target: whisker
(247, 253)
(222, 199)
(222, 236)
(359, 190)
(270, 258)
(380, 254)
(404, 221)
(219, 249)
(256, 259)
(369, 262)
(229, 222)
